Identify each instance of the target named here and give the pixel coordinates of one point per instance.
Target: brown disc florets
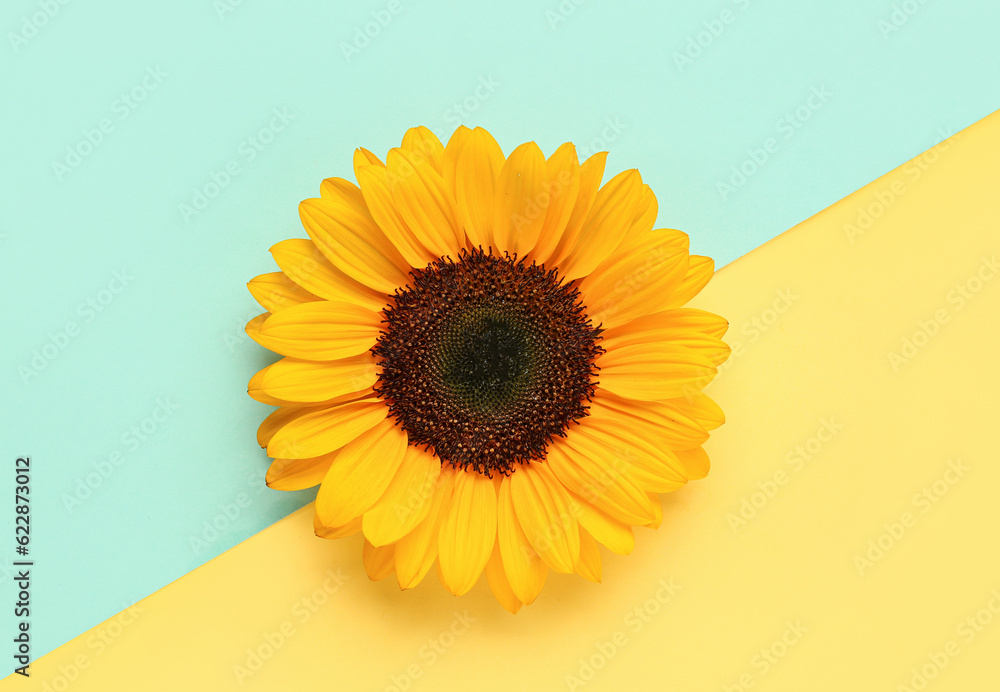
(486, 359)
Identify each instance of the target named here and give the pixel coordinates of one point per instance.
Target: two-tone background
(152, 153)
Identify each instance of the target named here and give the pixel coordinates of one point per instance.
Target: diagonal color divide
(846, 534)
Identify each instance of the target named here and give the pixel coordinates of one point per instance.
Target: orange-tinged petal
(521, 201)
(323, 430)
(633, 282)
(406, 500)
(424, 203)
(562, 184)
(361, 473)
(654, 372)
(613, 489)
(498, 582)
(478, 163)
(298, 474)
(588, 565)
(468, 532)
(591, 173)
(375, 187)
(353, 242)
(422, 142)
(301, 261)
(293, 379)
(615, 535)
(700, 270)
(319, 330)
(417, 550)
(525, 569)
(348, 529)
(542, 506)
(379, 560)
(275, 291)
(605, 225)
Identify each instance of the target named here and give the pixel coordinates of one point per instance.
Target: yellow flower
(487, 362)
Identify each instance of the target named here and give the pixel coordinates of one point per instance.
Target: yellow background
(704, 602)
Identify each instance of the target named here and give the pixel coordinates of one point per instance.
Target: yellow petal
(521, 201)
(322, 431)
(633, 283)
(375, 186)
(613, 490)
(654, 501)
(677, 427)
(363, 157)
(279, 419)
(604, 227)
(615, 535)
(330, 532)
(255, 392)
(292, 379)
(679, 321)
(609, 443)
(253, 326)
(591, 173)
(695, 461)
(352, 241)
(479, 161)
(417, 550)
(319, 330)
(588, 565)
(422, 142)
(562, 184)
(406, 501)
(424, 203)
(449, 160)
(700, 270)
(298, 474)
(667, 327)
(524, 568)
(361, 473)
(378, 561)
(275, 291)
(301, 261)
(644, 219)
(468, 532)
(543, 511)
(498, 582)
(653, 372)
(700, 408)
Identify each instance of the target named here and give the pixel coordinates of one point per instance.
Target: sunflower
(487, 364)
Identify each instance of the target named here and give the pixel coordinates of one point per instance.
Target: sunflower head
(487, 362)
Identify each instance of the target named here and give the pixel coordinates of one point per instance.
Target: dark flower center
(484, 360)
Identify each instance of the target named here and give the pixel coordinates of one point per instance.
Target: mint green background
(175, 331)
